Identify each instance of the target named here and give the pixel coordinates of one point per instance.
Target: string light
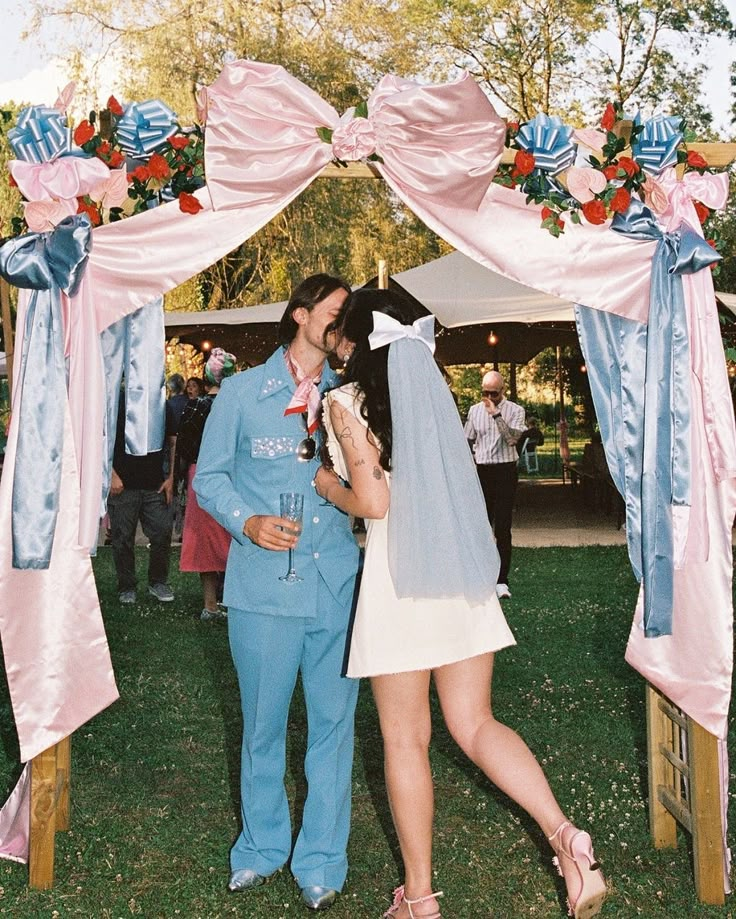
(583, 368)
(206, 345)
(493, 339)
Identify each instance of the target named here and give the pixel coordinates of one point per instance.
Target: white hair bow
(386, 330)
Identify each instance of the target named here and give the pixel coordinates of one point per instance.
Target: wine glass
(292, 508)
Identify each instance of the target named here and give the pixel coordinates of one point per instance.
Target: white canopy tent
(456, 289)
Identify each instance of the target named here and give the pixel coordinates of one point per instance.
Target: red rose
(85, 207)
(609, 117)
(702, 211)
(141, 174)
(179, 141)
(83, 132)
(114, 106)
(594, 211)
(695, 160)
(629, 166)
(523, 163)
(116, 158)
(11, 181)
(189, 204)
(620, 201)
(546, 212)
(610, 172)
(104, 148)
(158, 167)
(712, 242)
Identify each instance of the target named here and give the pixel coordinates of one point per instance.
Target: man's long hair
(308, 294)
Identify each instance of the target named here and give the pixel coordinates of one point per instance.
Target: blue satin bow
(639, 378)
(46, 263)
(40, 134)
(550, 141)
(145, 127)
(655, 148)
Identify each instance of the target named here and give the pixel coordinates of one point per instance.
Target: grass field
(155, 788)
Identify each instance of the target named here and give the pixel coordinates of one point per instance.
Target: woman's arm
(368, 495)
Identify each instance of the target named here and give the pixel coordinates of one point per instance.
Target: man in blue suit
(257, 444)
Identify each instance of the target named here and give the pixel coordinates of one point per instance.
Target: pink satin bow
(438, 142)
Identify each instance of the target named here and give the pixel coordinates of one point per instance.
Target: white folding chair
(530, 458)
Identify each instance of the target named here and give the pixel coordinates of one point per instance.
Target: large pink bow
(63, 178)
(710, 189)
(435, 141)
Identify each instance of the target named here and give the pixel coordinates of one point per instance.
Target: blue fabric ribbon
(655, 148)
(550, 142)
(145, 127)
(40, 134)
(133, 349)
(648, 445)
(47, 264)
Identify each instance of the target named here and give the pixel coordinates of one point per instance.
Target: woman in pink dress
(204, 543)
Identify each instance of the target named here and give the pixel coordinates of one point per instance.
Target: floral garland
(546, 150)
(113, 164)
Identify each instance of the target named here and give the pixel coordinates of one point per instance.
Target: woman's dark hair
(308, 294)
(369, 369)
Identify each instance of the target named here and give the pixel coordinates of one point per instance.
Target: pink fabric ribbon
(60, 179)
(306, 397)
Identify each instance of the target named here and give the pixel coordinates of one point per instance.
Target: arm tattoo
(359, 462)
(347, 434)
(377, 473)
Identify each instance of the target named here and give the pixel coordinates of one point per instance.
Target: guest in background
(141, 490)
(204, 544)
(194, 388)
(177, 396)
(493, 427)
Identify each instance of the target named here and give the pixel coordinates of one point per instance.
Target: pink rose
(354, 138)
(655, 195)
(584, 183)
(42, 216)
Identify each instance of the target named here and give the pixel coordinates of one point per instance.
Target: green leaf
(575, 216)
(375, 158)
(361, 109)
(325, 134)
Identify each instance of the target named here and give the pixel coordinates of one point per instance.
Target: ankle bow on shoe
(400, 897)
(576, 864)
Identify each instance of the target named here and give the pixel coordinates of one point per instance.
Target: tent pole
(382, 274)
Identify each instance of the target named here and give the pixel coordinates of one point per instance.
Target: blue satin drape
(133, 350)
(47, 264)
(639, 377)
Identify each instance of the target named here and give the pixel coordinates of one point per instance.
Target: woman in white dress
(427, 606)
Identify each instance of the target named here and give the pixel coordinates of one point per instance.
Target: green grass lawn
(155, 787)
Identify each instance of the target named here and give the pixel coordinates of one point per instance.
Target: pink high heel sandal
(581, 872)
(400, 897)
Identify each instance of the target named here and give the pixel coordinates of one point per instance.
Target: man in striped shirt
(493, 427)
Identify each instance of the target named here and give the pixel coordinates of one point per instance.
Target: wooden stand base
(50, 781)
(684, 788)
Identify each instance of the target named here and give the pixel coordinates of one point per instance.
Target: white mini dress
(396, 635)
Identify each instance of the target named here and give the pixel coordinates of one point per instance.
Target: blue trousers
(269, 651)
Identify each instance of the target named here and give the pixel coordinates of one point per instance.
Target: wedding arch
(647, 321)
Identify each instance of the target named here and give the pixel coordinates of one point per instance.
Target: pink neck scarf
(306, 398)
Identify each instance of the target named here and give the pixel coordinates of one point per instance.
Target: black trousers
(155, 515)
(498, 481)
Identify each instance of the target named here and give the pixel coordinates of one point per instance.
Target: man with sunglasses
(260, 441)
(493, 427)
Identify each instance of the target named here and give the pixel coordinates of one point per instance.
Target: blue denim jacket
(247, 458)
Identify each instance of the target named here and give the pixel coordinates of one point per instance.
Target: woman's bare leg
(464, 690)
(209, 590)
(403, 709)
